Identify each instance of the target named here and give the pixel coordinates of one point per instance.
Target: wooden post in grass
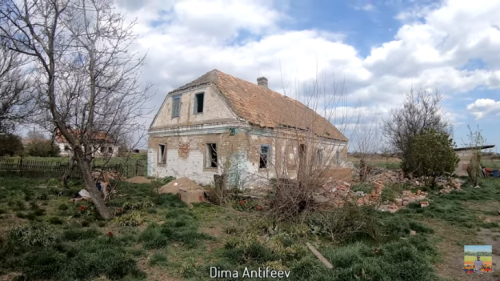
(319, 256)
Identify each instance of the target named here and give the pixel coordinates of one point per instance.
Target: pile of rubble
(448, 185)
(338, 192)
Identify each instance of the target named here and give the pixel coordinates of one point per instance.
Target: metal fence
(55, 169)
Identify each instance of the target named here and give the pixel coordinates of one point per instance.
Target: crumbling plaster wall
(214, 109)
(239, 156)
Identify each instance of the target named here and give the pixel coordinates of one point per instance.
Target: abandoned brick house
(219, 123)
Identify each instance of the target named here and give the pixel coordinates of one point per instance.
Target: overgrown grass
(365, 245)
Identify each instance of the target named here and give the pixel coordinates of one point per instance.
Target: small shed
(465, 153)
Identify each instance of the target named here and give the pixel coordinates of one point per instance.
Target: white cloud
(484, 107)
(191, 37)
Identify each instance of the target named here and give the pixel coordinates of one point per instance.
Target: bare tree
(420, 111)
(16, 99)
(90, 79)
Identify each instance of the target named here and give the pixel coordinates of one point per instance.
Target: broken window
(176, 106)
(338, 157)
(211, 155)
(162, 154)
(66, 148)
(264, 156)
(198, 103)
(103, 149)
(320, 156)
(110, 150)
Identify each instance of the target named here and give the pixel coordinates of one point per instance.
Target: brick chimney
(262, 81)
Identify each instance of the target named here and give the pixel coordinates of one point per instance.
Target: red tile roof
(264, 107)
(99, 136)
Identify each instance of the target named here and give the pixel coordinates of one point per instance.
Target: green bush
(42, 148)
(132, 219)
(433, 152)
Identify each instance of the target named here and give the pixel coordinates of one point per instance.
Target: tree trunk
(69, 171)
(97, 197)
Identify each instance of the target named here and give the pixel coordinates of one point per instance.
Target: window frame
(319, 156)
(337, 155)
(209, 148)
(174, 98)
(268, 156)
(162, 159)
(195, 109)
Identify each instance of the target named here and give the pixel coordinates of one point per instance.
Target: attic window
(198, 102)
(176, 106)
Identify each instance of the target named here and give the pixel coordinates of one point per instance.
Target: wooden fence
(56, 169)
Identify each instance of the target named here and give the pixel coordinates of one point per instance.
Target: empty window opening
(176, 106)
(319, 156)
(66, 148)
(103, 149)
(110, 149)
(264, 156)
(198, 103)
(211, 155)
(162, 154)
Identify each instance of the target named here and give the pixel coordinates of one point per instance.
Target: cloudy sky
(377, 49)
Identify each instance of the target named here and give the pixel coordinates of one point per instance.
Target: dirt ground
(452, 239)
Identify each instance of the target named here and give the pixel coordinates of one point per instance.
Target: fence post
(136, 167)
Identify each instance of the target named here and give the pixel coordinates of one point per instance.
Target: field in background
(393, 162)
(386, 162)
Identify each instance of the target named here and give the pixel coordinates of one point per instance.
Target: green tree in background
(10, 145)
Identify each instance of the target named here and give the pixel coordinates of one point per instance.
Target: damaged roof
(264, 107)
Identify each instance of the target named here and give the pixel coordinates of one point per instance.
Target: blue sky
(477, 248)
(378, 49)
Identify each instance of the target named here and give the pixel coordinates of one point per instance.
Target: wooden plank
(319, 256)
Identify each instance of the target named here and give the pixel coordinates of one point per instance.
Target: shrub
(347, 222)
(43, 148)
(132, 219)
(434, 154)
(33, 235)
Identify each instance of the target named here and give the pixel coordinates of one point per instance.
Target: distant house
(103, 145)
(219, 119)
(465, 154)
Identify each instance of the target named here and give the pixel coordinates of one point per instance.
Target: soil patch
(175, 185)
